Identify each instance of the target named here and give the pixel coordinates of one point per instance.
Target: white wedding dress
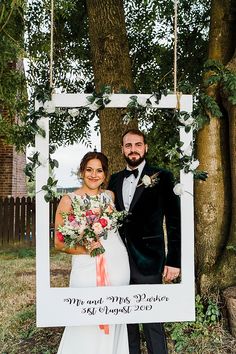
(91, 339)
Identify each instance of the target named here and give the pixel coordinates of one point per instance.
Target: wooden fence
(17, 220)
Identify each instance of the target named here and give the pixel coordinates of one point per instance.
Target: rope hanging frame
(51, 45)
(175, 44)
(178, 94)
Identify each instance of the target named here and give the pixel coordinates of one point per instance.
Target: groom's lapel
(139, 190)
(120, 179)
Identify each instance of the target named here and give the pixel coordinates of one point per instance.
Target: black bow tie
(131, 172)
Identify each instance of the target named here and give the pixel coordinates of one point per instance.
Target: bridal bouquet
(90, 218)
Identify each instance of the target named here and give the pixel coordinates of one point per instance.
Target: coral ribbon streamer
(102, 280)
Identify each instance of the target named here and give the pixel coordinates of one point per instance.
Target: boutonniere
(149, 181)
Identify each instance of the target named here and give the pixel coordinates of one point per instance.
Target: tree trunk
(111, 66)
(228, 260)
(213, 201)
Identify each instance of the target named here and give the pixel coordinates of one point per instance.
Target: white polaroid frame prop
(124, 304)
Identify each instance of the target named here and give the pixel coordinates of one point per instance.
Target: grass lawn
(18, 332)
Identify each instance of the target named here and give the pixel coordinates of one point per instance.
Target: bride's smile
(93, 176)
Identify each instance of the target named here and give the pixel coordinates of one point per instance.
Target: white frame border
(72, 306)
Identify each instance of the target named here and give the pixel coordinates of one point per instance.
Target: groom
(147, 193)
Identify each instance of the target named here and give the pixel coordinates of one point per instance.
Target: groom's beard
(134, 162)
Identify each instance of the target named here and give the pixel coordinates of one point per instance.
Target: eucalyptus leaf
(48, 197)
(187, 129)
(45, 187)
(52, 149)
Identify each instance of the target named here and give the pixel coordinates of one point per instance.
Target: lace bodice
(101, 198)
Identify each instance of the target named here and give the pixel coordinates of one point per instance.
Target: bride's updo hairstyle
(94, 155)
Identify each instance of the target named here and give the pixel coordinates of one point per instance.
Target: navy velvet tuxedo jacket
(143, 231)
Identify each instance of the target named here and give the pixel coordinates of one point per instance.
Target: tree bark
(213, 201)
(228, 260)
(111, 66)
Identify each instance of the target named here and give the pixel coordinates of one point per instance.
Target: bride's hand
(77, 250)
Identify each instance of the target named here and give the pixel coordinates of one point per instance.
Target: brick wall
(12, 177)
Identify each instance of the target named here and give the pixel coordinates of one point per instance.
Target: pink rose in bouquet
(103, 222)
(71, 217)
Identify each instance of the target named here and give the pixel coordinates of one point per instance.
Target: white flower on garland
(149, 181)
(179, 189)
(187, 122)
(142, 101)
(74, 112)
(42, 160)
(94, 106)
(194, 164)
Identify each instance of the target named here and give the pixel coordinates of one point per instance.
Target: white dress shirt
(130, 184)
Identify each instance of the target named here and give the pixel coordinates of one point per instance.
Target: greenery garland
(97, 101)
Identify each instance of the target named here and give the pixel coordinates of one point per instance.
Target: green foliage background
(150, 32)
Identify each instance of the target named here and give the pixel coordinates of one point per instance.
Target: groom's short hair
(134, 132)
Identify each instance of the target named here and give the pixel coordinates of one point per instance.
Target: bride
(109, 339)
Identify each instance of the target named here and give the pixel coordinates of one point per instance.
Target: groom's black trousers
(154, 332)
(154, 335)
